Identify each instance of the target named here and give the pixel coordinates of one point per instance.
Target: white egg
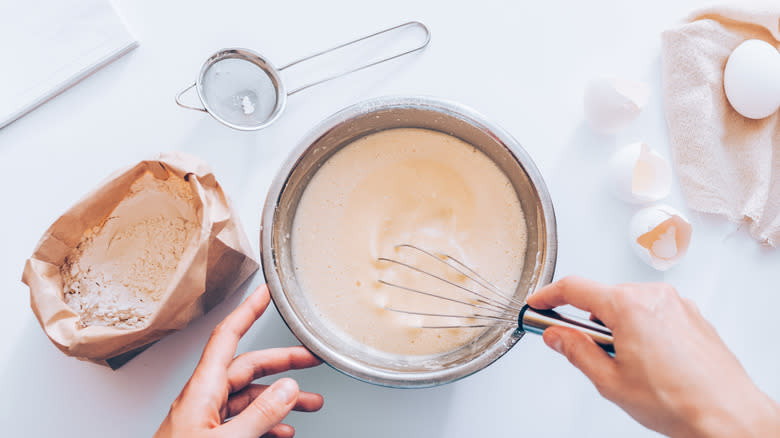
(752, 79)
(660, 236)
(612, 103)
(638, 174)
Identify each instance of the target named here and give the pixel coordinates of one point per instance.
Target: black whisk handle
(537, 320)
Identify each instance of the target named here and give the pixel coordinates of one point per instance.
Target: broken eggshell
(660, 236)
(639, 174)
(612, 103)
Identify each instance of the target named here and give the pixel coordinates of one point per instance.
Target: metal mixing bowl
(338, 350)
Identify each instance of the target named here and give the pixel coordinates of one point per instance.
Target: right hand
(671, 370)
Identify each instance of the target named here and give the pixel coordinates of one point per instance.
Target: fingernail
(555, 342)
(284, 391)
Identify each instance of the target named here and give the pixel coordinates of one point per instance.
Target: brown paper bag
(214, 264)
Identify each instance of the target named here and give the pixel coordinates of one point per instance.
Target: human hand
(671, 370)
(221, 388)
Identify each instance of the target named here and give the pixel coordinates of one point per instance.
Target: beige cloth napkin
(727, 164)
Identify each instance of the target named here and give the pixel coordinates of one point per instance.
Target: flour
(120, 270)
(247, 106)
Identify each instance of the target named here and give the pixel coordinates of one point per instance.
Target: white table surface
(522, 64)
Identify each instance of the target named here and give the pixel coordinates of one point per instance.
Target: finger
(264, 412)
(307, 401)
(223, 342)
(584, 354)
(256, 364)
(588, 295)
(280, 431)
(690, 305)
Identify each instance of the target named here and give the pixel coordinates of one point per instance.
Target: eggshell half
(660, 236)
(612, 103)
(639, 174)
(752, 79)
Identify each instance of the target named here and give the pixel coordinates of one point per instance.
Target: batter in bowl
(398, 186)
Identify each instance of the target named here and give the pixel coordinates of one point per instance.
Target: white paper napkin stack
(50, 45)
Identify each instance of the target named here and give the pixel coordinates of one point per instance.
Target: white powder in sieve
(247, 105)
(120, 269)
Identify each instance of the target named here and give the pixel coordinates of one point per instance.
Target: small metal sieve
(243, 90)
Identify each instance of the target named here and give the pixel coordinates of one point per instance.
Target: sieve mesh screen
(239, 92)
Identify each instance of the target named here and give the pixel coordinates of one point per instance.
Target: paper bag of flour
(154, 247)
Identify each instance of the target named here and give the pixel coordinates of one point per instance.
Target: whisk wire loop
(486, 300)
(430, 294)
(494, 309)
(472, 275)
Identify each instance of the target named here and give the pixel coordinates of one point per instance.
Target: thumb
(265, 411)
(584, 354)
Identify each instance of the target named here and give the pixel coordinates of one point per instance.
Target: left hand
(221, 386)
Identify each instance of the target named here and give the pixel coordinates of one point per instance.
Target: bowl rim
(341, 362)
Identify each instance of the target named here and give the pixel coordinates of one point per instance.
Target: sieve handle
(184, 105)
(536, 320)
(364, 66)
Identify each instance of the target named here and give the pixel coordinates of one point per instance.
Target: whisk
(490, 306)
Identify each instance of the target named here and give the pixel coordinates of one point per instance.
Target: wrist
(754, 415)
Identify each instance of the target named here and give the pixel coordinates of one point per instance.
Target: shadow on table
(589, 214)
